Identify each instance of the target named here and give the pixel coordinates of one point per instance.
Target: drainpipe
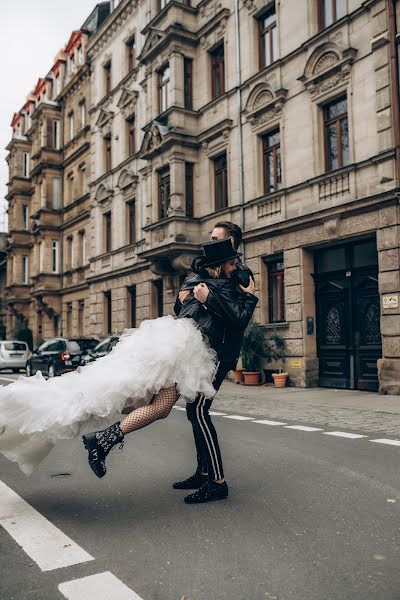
(61, 258)
(239, 120)
(395, 90)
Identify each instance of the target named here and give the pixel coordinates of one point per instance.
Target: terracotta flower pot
(251, 377)
(237, 375)
(280, 379)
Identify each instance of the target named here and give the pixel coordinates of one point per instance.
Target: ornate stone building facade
(284, 121)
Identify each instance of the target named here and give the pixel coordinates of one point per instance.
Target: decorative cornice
(110, 26)
(327, 67)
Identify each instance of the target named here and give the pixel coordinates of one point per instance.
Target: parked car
(58, 355)
(102, 348)
(14, 355)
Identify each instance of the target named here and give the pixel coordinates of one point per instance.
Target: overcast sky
(31, 34)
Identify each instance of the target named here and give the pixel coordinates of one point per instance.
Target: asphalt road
(309, 517)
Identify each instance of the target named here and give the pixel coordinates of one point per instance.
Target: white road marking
(390, 442)
(101, 586)
(179, 408)
(49, 547)
(303, 428)
(266, 422)
(238, 418)
(343, 434)
(213, 413)
(7, 379)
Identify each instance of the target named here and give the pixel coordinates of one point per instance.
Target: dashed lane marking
(101, 586)
(179, 408)
(238, 418)
(266, 422)
(303, 428)
(389, 442)
(213, 413)
(7, 379)
(49, 547)
(344, 434)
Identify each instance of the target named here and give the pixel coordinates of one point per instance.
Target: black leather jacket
(226, 309)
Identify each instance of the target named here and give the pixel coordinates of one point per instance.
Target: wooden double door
(348, 316)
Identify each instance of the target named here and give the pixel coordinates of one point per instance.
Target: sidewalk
(345, 409)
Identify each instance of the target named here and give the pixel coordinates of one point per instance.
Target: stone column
(177, 182)
(176, 78)
(388, 244)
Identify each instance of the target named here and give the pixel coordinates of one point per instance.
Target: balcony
(46, 218)
(45, 283)
(75, 277)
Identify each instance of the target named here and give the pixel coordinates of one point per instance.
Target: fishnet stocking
(159, 408)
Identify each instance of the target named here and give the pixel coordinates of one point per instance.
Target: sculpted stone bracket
(42, 306)
(327, 68)
(264, 105)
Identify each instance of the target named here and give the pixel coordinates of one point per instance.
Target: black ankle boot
(191, 483)
(99, 444)
(209, 491)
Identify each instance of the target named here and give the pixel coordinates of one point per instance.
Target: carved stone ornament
(182, 262)
(104, 121)
(153, 138)
(332, 227)
(127, 102)
(209, 9)
(127, 181)
(264, 104)
(327, 68)
(103, 194)
(154, 37)
(251, 5)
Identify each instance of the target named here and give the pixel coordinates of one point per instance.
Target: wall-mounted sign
(297, 364)
(390, 301)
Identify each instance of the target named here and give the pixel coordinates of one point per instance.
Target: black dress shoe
(208, 492)
(191, 483)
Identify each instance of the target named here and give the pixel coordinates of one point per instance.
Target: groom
(209, 479)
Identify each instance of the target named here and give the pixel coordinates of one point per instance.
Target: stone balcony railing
(115, 260)
(75, 277)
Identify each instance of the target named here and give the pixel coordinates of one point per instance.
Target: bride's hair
(215, 272)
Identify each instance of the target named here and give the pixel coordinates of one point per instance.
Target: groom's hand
(201, 292)
(183, 296)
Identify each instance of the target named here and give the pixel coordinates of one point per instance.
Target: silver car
(14, 355)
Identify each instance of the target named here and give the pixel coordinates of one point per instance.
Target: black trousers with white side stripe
(205, 436)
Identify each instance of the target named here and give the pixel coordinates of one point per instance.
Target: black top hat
(218, 252)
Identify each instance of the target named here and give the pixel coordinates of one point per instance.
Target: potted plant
(254, 351)
(277, 352)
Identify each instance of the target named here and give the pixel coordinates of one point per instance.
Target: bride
(147, 371)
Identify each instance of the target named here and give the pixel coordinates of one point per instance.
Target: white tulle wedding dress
(35, 413)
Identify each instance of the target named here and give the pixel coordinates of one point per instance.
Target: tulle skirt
(35, 413)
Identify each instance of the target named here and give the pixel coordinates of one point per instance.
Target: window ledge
(271, 326)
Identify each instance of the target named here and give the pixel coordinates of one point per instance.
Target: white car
(14, 355)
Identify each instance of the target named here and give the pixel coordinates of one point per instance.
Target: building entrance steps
(346, 409)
